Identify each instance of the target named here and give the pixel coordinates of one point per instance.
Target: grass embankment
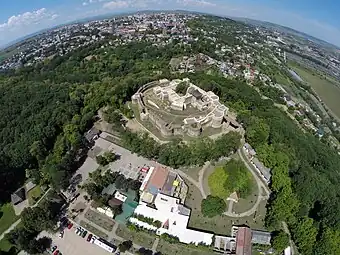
(140, 238)
(5, 245)
(34, 195)
(7, 217)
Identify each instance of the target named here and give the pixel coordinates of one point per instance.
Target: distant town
(170, 133)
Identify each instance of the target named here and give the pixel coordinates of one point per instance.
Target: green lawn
(216, 182)
(141, 238)
(100, 219)
(7, 217)
(5, 245)
(93, 229)
(34, 195)
(219, 224)
(180, 249)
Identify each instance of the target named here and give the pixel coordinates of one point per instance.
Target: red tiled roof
(158, 178)
(243, 241)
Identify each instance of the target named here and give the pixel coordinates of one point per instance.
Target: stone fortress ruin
(191, 112)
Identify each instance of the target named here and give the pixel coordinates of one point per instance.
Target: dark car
(63, 221)
(53, 248)
(89, 237)
(84, 234)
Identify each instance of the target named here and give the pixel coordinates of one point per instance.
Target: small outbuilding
(92, 134)
(18, 196)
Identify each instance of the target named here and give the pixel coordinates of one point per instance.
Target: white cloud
(27, 18)
(118, 4)
(199, 3)
(26, 23)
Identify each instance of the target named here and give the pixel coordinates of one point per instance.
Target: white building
(174, 218)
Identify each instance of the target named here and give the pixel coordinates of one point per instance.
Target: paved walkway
(201, 179)
(155, 244)
(260, 185)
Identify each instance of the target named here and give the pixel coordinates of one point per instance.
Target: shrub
(212, 206)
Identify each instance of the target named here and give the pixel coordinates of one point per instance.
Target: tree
(125, 246)
(42, 217)
(143, 251)
(328, 243)
(257, 132)
(181, 88)
(239, 178)
(35, 174)
(212, 206)
(20, 237)
(106, 158)
(280, 241)
(101, 160)
(38, 150)
(121, 182)
(93, 190)
(304, 234)
(110, 156)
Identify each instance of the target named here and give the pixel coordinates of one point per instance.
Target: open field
(176, 249)
(34, 195)
(99, 219)
(5, 245)
(143, 239)
(327, 90)
(7, 217)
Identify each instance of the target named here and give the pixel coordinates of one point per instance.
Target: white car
(61, 234)
(93, 239)
(81, 230)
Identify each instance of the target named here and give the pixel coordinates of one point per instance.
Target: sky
(318, 18)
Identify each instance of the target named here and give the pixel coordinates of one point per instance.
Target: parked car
(93, 239)
(63, 221)
(61, 234)
(53, 248)
(70, 225)
(89, 237)
(79, 230)
(56, 252)
(84, 234)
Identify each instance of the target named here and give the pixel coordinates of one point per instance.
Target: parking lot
(72, 244)
(129, 164)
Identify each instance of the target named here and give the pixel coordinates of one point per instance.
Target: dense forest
(305, 171)
(46, 109)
